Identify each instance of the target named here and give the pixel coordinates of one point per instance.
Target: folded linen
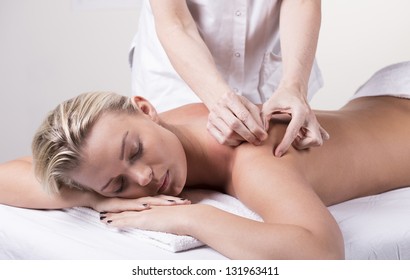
(392, 80)
(167, 241)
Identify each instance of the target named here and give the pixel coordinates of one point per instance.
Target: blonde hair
(58, 141)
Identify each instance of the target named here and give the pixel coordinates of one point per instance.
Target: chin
(178, 188)
(176, 191)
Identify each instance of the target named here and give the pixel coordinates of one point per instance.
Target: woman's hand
(115, 204)
(234, 119)
(157, 218)
(304, 130)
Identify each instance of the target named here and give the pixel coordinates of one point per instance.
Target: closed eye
(137, 153)
(122, 184)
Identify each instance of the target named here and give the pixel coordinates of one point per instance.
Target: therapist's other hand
(303, 131)
(234, 119)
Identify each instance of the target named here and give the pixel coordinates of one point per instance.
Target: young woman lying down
(118, 156)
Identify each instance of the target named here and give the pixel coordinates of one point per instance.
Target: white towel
(392, 80)
(167, 241)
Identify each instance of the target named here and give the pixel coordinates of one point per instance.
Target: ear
(146, 107)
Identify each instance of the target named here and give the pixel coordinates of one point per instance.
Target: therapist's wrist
(217, 96)
(295, 88)
(223, 98)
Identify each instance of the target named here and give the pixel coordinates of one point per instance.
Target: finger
(302, 143)
(176, 200)
(222, 132)
(312, 136)
(266, 120)
(268, 113)
(123, 220)
(108, 217)
(163, 200)
(260, 130)
(324, 133)
(247, 123)
(291, 132)
(234, 122)
(104, 216)
(121, 204)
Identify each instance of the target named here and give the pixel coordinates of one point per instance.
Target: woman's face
(131, 156)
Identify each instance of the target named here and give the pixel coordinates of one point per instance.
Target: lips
(165, 183)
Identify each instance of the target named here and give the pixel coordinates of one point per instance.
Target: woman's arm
(20, 188)
(311, 234)
(296, 225)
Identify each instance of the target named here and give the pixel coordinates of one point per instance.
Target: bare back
(368, 153)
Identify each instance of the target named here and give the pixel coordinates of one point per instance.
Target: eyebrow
(123, 145)
(124, 138)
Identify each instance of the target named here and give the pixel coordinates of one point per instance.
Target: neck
(206, 159)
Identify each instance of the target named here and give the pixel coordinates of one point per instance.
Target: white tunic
(243, 37)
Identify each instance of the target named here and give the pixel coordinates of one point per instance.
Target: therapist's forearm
(193, 61)
(300, 24)
(19, 187)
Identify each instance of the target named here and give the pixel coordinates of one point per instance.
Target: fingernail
(102, 217)
(109, 221)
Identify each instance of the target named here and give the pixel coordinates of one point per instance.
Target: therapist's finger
(309, 141)
(313, 135)
(290, 135)
(248, 122)
(227, 128)
(304, 142)
(324, 133)
(260, 129)
(222, 132)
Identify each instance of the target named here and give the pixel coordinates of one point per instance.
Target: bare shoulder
(264, 182)
(185, 114)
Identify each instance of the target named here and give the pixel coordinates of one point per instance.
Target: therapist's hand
(303, 131)
(234, 119)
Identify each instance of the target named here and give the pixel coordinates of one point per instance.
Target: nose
(141, 174)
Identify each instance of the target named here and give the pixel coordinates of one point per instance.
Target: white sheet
(374, 227)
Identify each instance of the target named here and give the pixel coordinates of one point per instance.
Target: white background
(53, 50)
